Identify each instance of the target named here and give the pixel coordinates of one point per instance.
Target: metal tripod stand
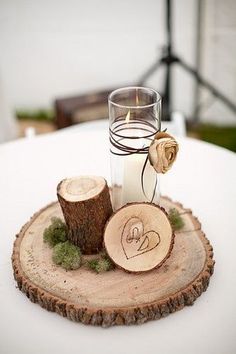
(168, 59)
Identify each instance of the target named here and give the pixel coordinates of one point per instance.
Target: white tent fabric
(8, 126)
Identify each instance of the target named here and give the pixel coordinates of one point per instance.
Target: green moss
(175, 219)
(67, 255)
(100, 265)
(56, 232)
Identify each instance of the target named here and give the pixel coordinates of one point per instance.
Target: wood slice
(86, 205)
(139, 237)
(115, 297)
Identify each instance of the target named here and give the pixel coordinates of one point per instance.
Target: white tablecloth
(203, 179)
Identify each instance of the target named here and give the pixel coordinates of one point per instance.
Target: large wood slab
(114, 297)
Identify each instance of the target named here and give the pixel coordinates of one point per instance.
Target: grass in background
(42, 115)
(42, 120)
(223, 136)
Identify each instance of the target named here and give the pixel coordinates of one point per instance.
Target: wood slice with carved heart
(139, 237)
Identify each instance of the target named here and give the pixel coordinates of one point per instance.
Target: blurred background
(59, 60)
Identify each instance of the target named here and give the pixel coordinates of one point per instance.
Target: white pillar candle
(132, 185)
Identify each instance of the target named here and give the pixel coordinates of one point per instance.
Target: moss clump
(56, 232)
(100, 265)
(67, 255)
(176, 220)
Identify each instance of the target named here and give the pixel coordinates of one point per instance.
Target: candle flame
(127, 119)
(137, 99)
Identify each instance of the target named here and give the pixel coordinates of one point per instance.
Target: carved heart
(134, 241)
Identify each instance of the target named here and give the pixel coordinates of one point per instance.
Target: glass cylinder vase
(134, 119)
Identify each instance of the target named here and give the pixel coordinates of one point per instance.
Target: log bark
(86, 205)
(138, 237)
(115, 297)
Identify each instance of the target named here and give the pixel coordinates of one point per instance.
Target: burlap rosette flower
(162, 152)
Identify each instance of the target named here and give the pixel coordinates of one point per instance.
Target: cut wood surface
(115, 297)
(139, 237)
(86, 205)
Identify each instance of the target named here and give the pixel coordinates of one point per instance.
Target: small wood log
(139, 237)
(86, 205)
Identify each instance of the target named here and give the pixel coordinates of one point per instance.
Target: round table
(203, 179)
